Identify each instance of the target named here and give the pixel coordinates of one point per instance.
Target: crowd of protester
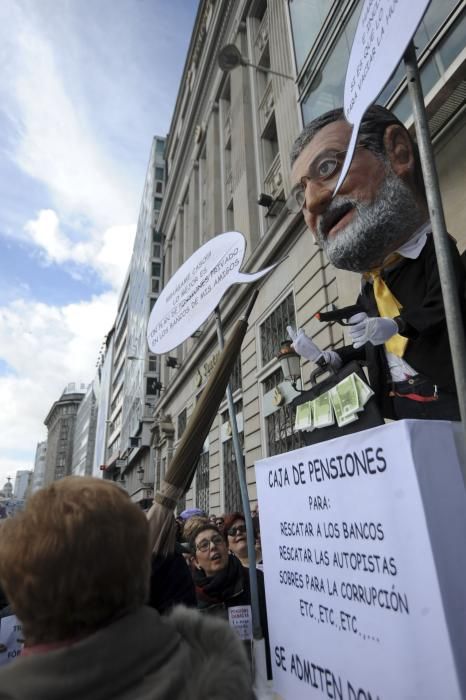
(104, 617)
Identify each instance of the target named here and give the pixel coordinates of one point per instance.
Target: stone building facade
(84, 434)
(60, 423)
(229, 142)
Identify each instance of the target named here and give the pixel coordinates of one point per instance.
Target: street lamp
(229, 57)
(290, 362)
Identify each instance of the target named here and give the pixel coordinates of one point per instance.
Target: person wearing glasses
(235, 528)
(222, 584)
(378, 226)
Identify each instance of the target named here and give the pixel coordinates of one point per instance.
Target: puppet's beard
(375, 230)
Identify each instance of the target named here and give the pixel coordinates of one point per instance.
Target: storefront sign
(364, 565)
(383, 33)
(196, 289)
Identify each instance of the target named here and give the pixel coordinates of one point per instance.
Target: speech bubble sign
(196, 289)
(384, 31)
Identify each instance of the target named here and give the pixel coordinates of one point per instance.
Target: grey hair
(375, 121)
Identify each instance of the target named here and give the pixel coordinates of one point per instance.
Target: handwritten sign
(240, 619)
(363, 566)
(11, 639)
(383, 33)
(195, 290)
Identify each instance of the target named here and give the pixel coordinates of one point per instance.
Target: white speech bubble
(196, 289)
(383, 33)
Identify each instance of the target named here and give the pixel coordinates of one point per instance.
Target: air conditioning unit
(134, 442)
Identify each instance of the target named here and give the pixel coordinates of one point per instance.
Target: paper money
(303, 419)
(364, 391)
(348, 395)
(322, 411)
(338, 406)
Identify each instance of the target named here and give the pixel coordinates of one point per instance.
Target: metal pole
(256, 623)
(439, 231)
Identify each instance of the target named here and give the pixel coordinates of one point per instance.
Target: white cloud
(108, 252)
(45, 233)
(46, 347)
(55, 143)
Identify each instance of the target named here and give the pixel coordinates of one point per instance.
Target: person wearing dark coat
(171, 583)
(75, 566)
(378, 225)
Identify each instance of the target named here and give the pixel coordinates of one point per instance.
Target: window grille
(231, 489)
(232, 492)
(182, 420)
(273, 330)
(279, 425)
(202, 482)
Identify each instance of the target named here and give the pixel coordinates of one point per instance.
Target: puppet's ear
(399, 150)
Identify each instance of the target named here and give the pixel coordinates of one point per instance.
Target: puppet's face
(373, 212)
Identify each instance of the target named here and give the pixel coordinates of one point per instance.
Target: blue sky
(84, 86)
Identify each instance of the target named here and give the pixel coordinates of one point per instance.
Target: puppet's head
(380, 203)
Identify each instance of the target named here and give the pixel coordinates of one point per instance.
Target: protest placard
(364, 564)
(11, 639)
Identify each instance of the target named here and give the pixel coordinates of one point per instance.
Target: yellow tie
(389, 307)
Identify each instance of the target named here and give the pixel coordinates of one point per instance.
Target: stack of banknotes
(342, 403)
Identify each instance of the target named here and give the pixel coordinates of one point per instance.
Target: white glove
(376, 330)
(305, 347)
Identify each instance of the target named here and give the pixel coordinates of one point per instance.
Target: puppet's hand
(364, 329)
(305, 347)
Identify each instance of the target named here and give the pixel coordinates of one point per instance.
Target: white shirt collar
(413, 247)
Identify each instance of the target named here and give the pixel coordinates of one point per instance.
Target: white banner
(364, 563)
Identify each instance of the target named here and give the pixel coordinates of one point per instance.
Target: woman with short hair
(222, 584)
(75, 566)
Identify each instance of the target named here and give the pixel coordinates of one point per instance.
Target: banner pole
(439, 231)
(256, 624)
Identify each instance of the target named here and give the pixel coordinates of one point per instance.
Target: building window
(279, 425)
(273, 329)
(202, 482)
(157, 203)
(269, 143)
(156, 269)
(307, 18)
(231, 488)
(232, 491)
(153, 363)
(236, 377)
(159, 187)
(182, 420)
(326, 89)
(159, 173)
(160, 147)
(437, 60)
(155, 286)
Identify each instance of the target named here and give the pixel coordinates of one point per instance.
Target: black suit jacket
(416, 285)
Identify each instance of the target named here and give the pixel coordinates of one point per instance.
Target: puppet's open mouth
(332, 218)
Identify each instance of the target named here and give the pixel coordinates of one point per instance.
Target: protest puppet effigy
(364, 563)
